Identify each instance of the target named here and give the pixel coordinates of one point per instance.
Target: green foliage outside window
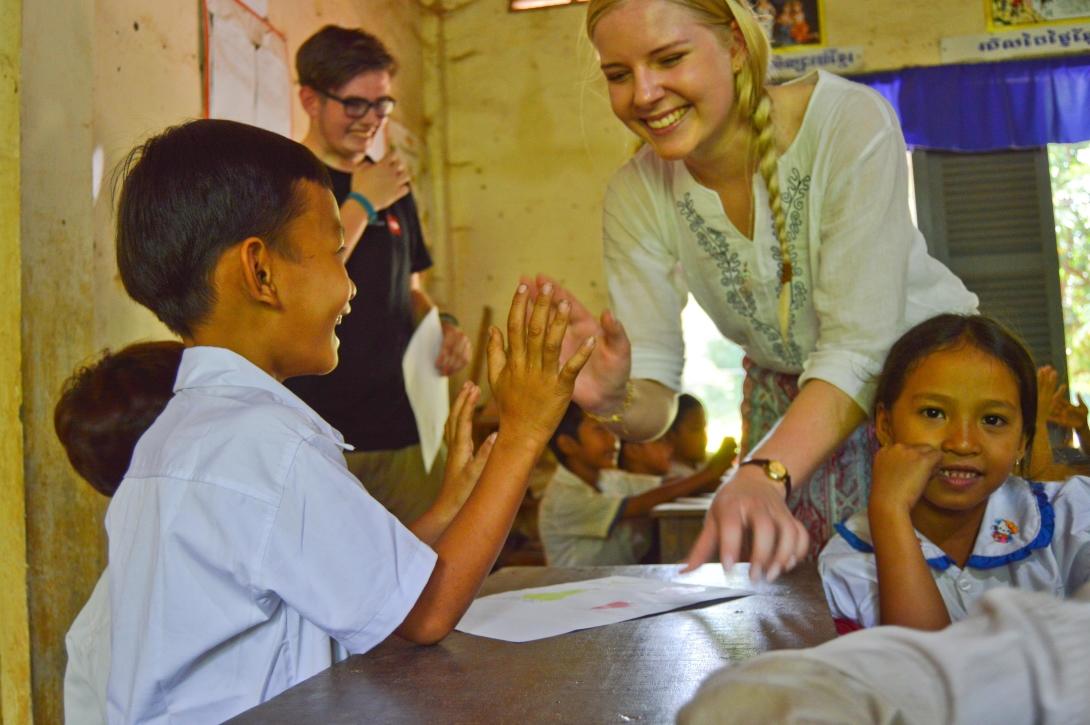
(1069, 166)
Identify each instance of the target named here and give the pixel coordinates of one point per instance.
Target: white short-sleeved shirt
(582, 526)
(626, 483)
(239, 545)
(88, 646)
(1034, 536)
(862, 274)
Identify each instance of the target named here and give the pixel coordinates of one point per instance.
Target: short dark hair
(951, 331)
(335, 55)
(685, 403)
(106, 406)
(191, 193)
(568, 426)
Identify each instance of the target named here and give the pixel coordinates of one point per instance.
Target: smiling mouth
(662, 123)
(960, 477)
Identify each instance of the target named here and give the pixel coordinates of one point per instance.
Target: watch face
(776, 470)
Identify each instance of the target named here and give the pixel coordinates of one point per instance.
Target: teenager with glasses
(345, 76)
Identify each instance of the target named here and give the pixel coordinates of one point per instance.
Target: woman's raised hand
(600, 387)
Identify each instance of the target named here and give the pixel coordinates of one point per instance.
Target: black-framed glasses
(355, 107)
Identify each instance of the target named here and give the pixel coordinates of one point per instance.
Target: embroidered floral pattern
(1003, 530)
(734, 274)
(793, 201)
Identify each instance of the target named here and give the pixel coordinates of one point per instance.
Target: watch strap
(764, 463)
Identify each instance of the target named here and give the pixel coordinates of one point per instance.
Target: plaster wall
(100, 76)
(533, 143)
(14, 626)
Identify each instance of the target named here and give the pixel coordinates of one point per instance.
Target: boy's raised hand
(1062, 412)
(463, 467)
(530, 385)
(901, 473)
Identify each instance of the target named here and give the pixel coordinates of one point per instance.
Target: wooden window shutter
(988, 217)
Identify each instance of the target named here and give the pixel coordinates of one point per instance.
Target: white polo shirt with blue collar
(1034, 536)
(239, 546)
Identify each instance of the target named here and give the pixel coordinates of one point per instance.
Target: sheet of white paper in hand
(528, 614)
(428, 391)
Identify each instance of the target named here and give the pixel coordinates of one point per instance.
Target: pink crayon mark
(614, 605)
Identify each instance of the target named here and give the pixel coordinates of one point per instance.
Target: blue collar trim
(942, 563)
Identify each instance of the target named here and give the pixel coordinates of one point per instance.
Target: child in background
(240, 544)
(689, 434)
(586, 517)
(948, 520)
(103, 410)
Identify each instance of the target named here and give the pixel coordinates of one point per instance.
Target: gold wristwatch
(774, 470)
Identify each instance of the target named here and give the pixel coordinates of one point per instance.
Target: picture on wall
(791, 23)
(1016, 13)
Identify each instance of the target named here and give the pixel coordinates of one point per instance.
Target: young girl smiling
(948, 519)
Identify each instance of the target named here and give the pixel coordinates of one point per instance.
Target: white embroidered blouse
(862, 274)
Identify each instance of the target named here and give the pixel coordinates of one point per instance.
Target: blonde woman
(787, 209)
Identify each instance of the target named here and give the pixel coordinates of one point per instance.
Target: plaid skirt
(839, 487)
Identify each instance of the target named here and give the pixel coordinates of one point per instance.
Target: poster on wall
(1006, 14)
(246, 73)
(791, 24)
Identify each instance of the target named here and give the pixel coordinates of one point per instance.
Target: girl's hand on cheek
(900, 475)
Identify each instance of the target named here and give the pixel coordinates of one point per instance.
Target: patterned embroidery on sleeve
(733, 278)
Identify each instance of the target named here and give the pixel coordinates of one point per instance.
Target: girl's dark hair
(568, 426)
(685, 403)
(105, 407)
(335, 55)
(191, 193)
(950, 331)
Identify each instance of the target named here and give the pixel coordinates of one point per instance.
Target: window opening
(1069, 170)
(713, 373)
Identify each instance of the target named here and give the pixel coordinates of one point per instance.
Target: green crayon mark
(551, 596)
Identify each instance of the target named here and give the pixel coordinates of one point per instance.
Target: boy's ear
(882, 425)
(257, 271)
(311, 100)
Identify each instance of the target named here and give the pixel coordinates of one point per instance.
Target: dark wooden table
(641, 670)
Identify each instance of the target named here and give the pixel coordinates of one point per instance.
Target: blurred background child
(102, 412)
(591, 515)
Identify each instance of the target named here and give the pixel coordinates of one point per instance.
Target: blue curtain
(990, 106)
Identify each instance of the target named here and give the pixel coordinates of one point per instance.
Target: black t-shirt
(364, 397)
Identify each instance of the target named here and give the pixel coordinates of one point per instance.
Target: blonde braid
(767, 157)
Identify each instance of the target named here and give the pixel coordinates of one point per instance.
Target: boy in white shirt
(239, 542)
(587, 517)
(103, 410)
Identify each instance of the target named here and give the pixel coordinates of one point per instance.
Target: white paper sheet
(528, 614)
(428, 391)
(249, 76)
